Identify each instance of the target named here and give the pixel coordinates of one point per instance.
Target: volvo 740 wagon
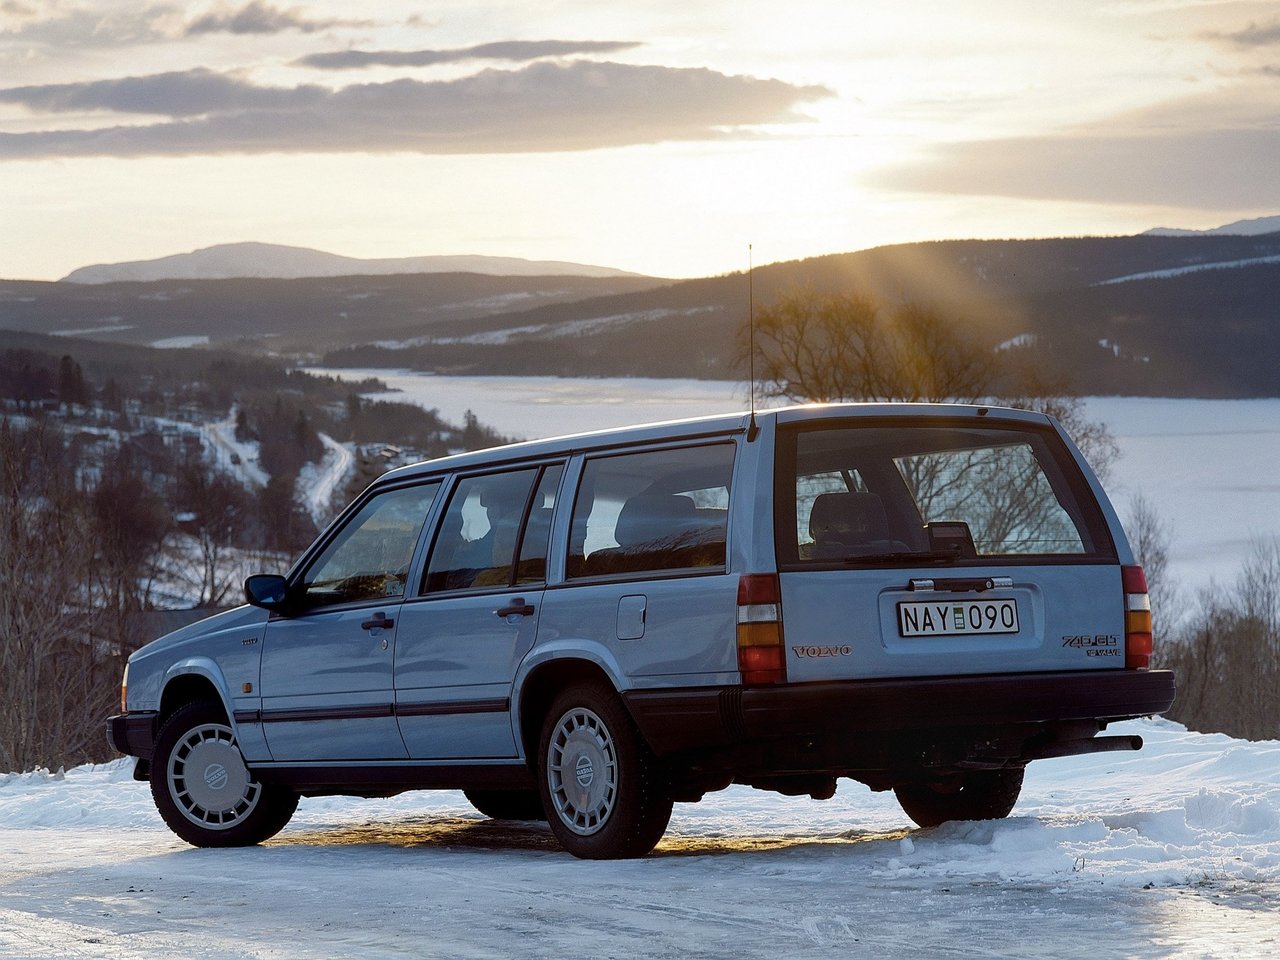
(586, 630)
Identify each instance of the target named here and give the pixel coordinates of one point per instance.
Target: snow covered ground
(1170, 852)
(1208, 466)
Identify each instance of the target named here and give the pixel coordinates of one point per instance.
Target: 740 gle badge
(1097, 645)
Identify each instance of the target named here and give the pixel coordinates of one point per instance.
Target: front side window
(663, 510)
(934, 493)
(369, 558)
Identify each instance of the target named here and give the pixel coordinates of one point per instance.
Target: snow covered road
(1171, 852)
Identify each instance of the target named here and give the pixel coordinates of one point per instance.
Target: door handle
(379, 620)
(516, 608)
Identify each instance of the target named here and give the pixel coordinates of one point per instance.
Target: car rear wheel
(507, 804)
(976, 795)
(203, 789)
(603, 793)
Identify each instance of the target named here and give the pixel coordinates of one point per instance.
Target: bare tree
(1150, 537)
(59, 673)
(1227, 656)
(820, 348)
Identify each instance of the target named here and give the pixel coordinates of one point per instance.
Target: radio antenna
(753, 428)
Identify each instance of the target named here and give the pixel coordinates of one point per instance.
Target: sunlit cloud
(78, 27)
(178, 94)
(1207, 169)
(1252, 36)
(1215, 151)
(542, 107)
(259, 17)
(509, 50)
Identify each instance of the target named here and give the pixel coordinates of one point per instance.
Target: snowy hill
(1170, 852)
(1240, 228)
(232, 260)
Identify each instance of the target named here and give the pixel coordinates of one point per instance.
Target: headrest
(848, 518)
(654, 516)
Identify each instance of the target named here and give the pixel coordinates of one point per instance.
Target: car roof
(701, 427)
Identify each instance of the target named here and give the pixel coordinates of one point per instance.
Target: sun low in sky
(660, 136)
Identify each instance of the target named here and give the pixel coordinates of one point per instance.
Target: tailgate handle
(960, 584)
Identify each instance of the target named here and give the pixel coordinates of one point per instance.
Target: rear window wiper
(903, 556)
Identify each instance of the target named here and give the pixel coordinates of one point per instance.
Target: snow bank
(1187, 809)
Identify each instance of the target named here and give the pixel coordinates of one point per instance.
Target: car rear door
(476, 615)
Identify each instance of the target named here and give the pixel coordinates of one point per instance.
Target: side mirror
(267, 590)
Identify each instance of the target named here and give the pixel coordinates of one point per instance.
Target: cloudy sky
(661, 136)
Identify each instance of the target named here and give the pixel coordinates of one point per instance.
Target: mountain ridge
(251, 259)
(1148, 315)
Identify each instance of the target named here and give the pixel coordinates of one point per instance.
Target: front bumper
(693, 719)
(133, 734)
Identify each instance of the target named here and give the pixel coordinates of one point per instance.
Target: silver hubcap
(582, 771)
(208, 779)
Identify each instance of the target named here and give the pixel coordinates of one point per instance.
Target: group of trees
(811, 347)
(68, 585)
(1225, 649)
(112, 507)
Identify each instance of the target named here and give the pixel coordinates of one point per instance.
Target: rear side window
(889, 494)
(495, 531)
(652, 512)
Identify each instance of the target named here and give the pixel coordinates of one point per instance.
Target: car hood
(239, 617)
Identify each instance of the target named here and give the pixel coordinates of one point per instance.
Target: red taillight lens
(758, 588)
(761, 655)
(1138, 641)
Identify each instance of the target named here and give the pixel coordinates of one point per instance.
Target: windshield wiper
(904, 556)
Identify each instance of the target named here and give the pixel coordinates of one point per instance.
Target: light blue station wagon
(585, 630)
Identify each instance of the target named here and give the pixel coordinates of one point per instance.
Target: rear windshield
(872, 494)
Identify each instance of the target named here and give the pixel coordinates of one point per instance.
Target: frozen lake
(1211, 468)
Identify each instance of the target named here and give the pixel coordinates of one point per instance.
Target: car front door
(326, 680)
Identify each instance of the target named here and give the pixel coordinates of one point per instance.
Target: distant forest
(121, 410)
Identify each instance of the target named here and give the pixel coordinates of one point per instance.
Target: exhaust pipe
(1075, 748)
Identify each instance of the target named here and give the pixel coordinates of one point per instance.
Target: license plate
(955, 618)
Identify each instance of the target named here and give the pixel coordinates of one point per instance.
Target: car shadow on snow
(519, 835)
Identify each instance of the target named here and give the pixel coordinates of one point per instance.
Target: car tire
(507, 804)
(601, 787)
(978, 795)
(203, 789)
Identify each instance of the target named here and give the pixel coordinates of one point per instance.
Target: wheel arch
(539, 688)
(189, 681)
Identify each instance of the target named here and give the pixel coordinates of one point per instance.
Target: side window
(650, 512)
(369, 558)
(476, 544)
(532, 567)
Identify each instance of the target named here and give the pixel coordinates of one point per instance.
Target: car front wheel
(603, 793)
(203, 789)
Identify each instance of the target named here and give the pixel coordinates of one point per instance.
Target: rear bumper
(133, 734)
(915, 708)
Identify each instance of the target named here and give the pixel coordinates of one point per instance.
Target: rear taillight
(1137, 619)
(761, 655)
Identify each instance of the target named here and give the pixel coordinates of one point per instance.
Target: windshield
(880, 494)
